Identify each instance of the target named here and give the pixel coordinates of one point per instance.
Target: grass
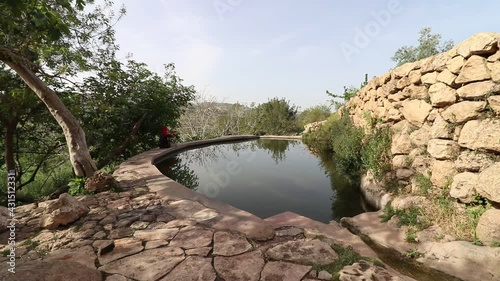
(424, 183)
(495, 244)
(347, 256)
(413, 253)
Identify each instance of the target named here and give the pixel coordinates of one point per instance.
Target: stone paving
(159, 230)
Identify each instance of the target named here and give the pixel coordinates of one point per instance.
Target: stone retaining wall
(444, 116)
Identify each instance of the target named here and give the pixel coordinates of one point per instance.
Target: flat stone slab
(303, 252)
(156, 234)
(284, 271)
(191, 210)
(116, 277)
(148, 265)
(84, 255)
(193, 238)
(180, 223)
(155, 244)
(202, 252)
(123, 247)
(228, 244)
(245, 267)
(192, 269)
(289, 231)
(52, 270)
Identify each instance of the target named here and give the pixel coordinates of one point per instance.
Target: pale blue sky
(253, 50)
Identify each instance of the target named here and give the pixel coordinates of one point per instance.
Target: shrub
(77, 186)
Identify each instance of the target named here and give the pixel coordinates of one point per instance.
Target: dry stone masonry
(444, 114)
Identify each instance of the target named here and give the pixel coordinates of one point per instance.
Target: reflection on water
(267, 177)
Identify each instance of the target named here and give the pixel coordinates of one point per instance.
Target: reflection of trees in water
(176, 169)
(207, 156)
(277, 148)
(347, 199)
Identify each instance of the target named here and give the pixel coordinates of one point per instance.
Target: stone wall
(444, 113)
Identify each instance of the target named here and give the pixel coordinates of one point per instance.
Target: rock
(373, 191)
(416, 92)
(463, 187)
(488, 228)
(192, 269)
(62, 211)
(100, 182)
(443, 149)
(442, 173)
(495, 71)
(193, 238)
(147, 265)
(473, 161)
(442, 95)
(474, 69)
(324, 275)
(274, 271)
(478, 90)
(416, 111)
(84, 256)
(364, 270)
(401, 162)
(155, 244)
(116, 277)
(421, 136)
(404, 173)
(139, 225)
(441, 129)
(122, 248)
(481, 134)
(484, 43)
(401, 143)
(156, 234)
(4, 218)
(494, 103)
(202, 252)
(289, 231)
(245, 267)
(415, 76)
(488, 183)
(429, 78)
(455, 64)
(187, 209)
(403, 83)
(463, 111)
(421, 163)
(180, 223)
(228, 244)
(311, 127)
(447, 77)
(52, 270)
(303, 252)
(405, 202)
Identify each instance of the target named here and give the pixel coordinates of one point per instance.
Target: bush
(321, 140)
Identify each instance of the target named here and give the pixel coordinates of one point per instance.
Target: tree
(44, 39)
(276, 117)
(428, 45)
(314, 114)
(349, 93)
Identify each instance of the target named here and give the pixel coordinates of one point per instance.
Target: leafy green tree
(428, 45)
(314, 114)
(45, 40)
(349, 93)
(276, 117)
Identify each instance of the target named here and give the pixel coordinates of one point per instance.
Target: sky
(254, 50)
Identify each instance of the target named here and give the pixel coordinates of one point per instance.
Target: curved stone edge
(140, 170)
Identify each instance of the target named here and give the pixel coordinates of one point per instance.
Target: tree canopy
(429, 44)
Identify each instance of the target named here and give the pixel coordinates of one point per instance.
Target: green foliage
(321, 139)
(413, 253)
(424, 183)
(314, 114)
(376, 153)
(77, 187)
(276, 117)
(495, 244)
(428, 45)
(349, 93)
(411, 237)
(388, 212)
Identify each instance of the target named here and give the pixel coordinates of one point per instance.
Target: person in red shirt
(165, 138)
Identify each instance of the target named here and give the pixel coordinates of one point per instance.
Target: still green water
(267, 177)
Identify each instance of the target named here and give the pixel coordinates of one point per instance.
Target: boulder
(416, 92)
(373, 191)
(429, 78)
(483, 43)
(463, 187)
(454, 65)
(488, 228)
(478, 90)
(416, 111)
(447, 77)
(495, 71)
(405, 202)
(245, 267)
(401, 162)
(100, 182)
(488, 183)
(494, 103)
(442, 172)
(415, 76)
(473, 161)
(464, 111)
(442, 95)
(303, 252)
(481, 134)
(443, 149)
(62, 211)
(441, 129)
(474, 69)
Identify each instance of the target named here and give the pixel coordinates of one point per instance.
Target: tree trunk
(82, 163)
(9, 144)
